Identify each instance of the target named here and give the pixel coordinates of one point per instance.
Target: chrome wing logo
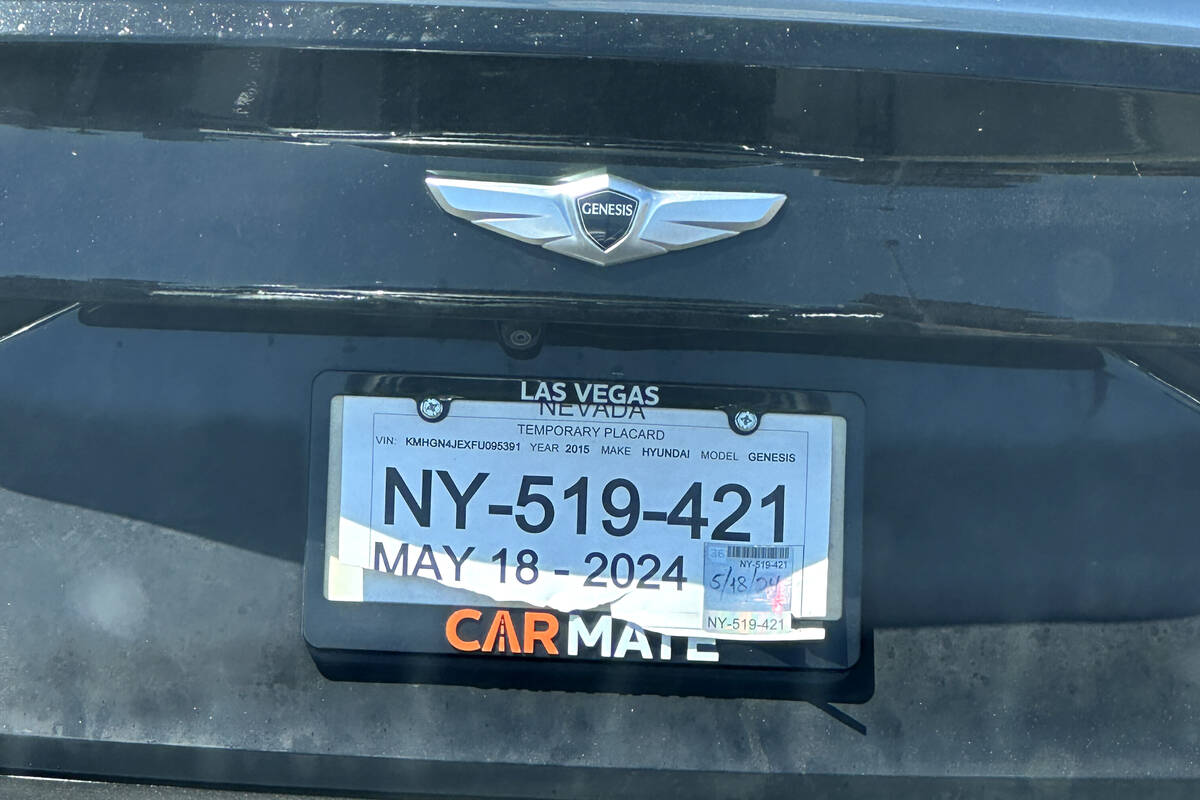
(603, 219)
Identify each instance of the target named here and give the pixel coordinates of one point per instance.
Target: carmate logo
(607, 216)
(540, 633)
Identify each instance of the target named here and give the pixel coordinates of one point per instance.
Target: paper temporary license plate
(722, 521)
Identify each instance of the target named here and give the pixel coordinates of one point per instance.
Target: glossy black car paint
(260, 178)
(990, 237)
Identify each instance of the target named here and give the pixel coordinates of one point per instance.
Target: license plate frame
(407, 642)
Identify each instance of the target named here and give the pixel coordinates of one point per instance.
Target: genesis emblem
(603, 219)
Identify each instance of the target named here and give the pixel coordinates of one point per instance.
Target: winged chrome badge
(603, 219)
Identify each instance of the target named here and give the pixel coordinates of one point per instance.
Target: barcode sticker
(750, 551)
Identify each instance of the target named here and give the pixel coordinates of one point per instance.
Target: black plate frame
(362, 641)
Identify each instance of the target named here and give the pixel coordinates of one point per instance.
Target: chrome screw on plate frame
(745, 421)
(431, 409)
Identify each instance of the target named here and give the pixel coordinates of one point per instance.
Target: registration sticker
(748, 588)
